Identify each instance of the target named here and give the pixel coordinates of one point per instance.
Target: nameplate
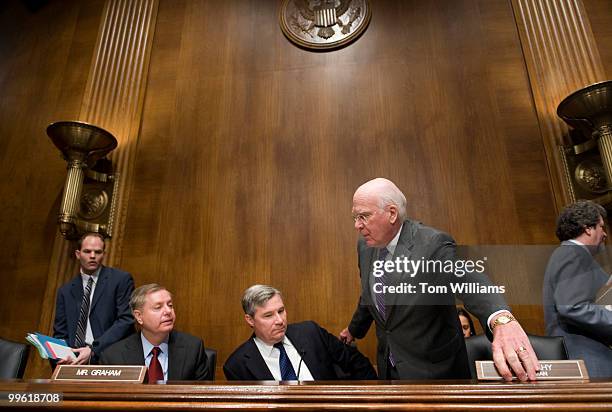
(549, 370)
(99, 373)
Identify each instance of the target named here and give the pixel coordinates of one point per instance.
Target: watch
(502, 320)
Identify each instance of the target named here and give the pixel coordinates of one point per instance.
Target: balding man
(419, 335)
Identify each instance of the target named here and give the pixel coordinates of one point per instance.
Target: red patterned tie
(155, 372)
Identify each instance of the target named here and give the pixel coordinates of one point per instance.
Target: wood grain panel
(561, 57)
(600, 17)
(45, 53)
(251, 148)
(243, 164)
(594, 395)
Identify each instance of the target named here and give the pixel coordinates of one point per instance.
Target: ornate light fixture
(87, 203)
(589, 159)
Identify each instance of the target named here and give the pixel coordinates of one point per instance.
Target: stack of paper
(49, 347)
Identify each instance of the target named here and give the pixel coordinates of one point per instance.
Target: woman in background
(467, 325)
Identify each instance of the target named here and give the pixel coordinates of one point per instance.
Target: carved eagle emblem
(318, 17)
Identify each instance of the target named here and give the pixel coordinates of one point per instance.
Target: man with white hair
(419, 335)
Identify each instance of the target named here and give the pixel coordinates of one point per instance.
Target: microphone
(301, 352)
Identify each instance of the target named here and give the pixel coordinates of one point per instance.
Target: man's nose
(358, 225)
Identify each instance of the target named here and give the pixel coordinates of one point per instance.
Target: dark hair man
(571, 282)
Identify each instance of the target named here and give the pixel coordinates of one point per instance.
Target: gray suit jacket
(422, 331)
(571, 281)
(186, 355)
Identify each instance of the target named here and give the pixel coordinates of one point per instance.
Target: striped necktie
(79, 339)
(380, 297)
(286, 368)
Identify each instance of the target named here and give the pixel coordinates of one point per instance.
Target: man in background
(167, 353)
(298, 351)
(92, 310)
(571, 281)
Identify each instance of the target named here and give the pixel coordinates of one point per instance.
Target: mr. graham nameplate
(99, 373)
(549, 370)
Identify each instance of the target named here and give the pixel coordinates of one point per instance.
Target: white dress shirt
(271, 356)
(89, 338)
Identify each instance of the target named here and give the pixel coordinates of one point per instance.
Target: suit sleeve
(574, 300)
(201, 367)
(362, 318)
(60, 327)
(481, 305)
(348, 358)
(124, 320)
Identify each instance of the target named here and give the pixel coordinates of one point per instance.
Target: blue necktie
(286, 369)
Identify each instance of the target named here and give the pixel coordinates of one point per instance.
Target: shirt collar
(148, 346)
(393, 244)
(85, 276)
(265, 348)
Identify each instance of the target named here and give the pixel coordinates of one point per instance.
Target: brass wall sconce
(588, 159)
(87, 204)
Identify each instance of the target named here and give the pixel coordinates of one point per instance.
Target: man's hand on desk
(512, 349)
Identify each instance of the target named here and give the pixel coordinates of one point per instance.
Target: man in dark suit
(571, 282)
(299, 351)
(92, 310)
(419, 335)
(170, 355)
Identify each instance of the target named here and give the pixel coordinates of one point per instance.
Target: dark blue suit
(110, 316)
(319, 349)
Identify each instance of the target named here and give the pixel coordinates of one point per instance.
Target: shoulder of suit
(572, 251)
(425, 233)
(133, 339)
(185, 337)
(302, 325)
(241, 350)
(116, 272)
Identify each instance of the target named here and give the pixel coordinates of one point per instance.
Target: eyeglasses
(362, 217)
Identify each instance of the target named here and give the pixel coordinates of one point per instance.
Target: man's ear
(138, 316)
(393, 214)
(249, 320)
(77, 253)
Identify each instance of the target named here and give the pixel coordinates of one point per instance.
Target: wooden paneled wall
(600, 15)
(250, 148)
(45, 54)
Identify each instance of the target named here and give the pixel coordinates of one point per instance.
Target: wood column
(561, 57)
(113, 99)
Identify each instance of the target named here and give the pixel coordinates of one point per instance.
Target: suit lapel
(176, 357)
(255, 363)
(76, 290)
(367, 281)
(134, 355)
(300, 342)
(100, 286)
(403, 249)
